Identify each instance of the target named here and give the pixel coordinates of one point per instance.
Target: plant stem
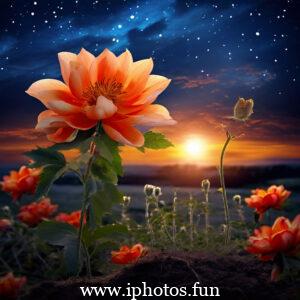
(174, 219)
(86, 200)
(206, 217)
(224, 194)
(191, 219)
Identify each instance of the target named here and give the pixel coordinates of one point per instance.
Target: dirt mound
(238, 276)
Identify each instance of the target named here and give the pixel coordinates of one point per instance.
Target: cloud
(26, 134)
(246, 75)
(186, 82)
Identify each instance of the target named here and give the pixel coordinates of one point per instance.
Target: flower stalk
(205, 184)
(85, 202)
(191, 219)
(174, 219)
(223, 187)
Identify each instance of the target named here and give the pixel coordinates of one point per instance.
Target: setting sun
(194, 146)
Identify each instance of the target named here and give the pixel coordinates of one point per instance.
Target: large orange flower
(10, 285)
(127, 255)
(262, 200)
(21, 182)
(282, 237)
(73, 218)
(107, 88)
(35, 212)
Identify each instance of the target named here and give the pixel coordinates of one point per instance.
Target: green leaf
(48, 176)
(109, 150)
(103, 200)
(103, 170)
(155, 140)
(45, 156)
(71, 254)
(64, 235)
(54, 165)
(110, 231)
(81, 140)
(54, 232)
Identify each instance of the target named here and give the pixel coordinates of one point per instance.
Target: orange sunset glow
(188, 148)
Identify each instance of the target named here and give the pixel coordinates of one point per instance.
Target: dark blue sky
(214, 51)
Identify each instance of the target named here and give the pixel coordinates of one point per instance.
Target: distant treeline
(190, 175)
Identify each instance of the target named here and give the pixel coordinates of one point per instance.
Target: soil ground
(238, 276)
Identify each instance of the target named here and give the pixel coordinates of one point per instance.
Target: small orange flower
(35, 212)
(107, 88)
(73, 218)
(5, 224)
(127, 255)
(10, 285)
(282, 237)
(20, 182)
(262, 200)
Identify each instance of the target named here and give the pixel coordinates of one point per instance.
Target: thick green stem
(224, 194)
(85, 202)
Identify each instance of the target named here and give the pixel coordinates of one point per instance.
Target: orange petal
(66, 134)
(124, 64)
(79, 79)
(263, 231)
(282, 241)
(64, 60)
(155, 86)
(104, 67)
(296, 222)
(50, 89)
(85, 58)
(80, 121)
(123, 132)
(154, 115)
(48, 119)
(62, 107)
(138, 77)
(260, 245)
(103, 109)
(281, 224)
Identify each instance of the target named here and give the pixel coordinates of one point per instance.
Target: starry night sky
(214, 51)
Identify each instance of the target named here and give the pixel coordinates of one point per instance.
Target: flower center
(110, 89)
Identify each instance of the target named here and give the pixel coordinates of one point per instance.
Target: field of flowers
(97, 109)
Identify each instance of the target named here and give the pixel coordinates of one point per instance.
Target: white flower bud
(205, 185)
(149, 190)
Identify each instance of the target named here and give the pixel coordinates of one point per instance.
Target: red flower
(5, 224)
(10, 285)
(262, 200)
(127, 255)
(33, 213)
(73, 218)
(20, 182)
(283, 237)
